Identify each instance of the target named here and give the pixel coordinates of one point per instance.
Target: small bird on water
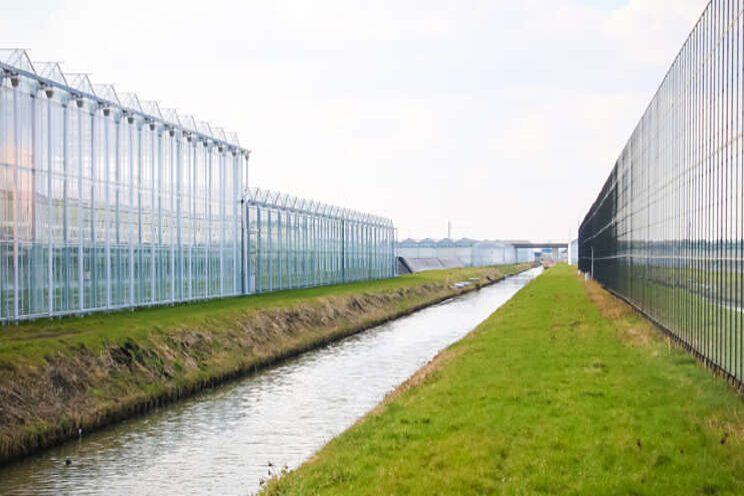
(68, 462)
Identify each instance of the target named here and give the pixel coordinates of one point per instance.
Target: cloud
(652, 33)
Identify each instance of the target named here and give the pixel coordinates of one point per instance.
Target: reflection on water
(221, 441)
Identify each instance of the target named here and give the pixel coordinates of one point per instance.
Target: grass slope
(564, 390)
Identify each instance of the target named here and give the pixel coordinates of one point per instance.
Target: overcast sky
(504, 117)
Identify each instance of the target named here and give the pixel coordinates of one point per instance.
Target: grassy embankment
(563, 390)
(60, 375)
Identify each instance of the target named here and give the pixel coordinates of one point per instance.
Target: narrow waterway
(221, 441)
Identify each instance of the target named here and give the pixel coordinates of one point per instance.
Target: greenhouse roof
(273, 199)
(51, 70)
(465, 242)
(489, 244)
(408, 243)
(16, 62)
(448, 243)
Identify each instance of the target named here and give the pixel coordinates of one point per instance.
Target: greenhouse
(113, 202)
(465, 252)
(300, 243)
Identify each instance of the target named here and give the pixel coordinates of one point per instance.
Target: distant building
(463, 252)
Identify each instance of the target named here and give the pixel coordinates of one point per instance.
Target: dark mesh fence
(665, 232)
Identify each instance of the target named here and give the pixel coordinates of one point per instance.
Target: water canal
(221, 441)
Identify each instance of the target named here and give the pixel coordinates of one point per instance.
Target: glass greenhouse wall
(665, 232)
(111, 202)
(297, 243)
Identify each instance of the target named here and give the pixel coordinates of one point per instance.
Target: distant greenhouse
(299, 243)
(112, 202)
(464, 249)
(464, 252)
(493, 253)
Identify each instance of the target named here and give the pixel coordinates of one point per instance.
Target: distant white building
(468, 252)
(446, 249)
(464, 250)
(573, 252)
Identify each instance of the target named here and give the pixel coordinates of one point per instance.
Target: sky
(502, 117)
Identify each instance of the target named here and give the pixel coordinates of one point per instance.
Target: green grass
(564, 390)
(30, 343)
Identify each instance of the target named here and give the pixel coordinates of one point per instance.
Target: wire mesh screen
(665, 232)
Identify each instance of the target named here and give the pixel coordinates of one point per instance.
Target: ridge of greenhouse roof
(51, 70)
(274, 199)
(448, 242)
(15, 62)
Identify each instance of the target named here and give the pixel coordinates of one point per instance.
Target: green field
(564, 390)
